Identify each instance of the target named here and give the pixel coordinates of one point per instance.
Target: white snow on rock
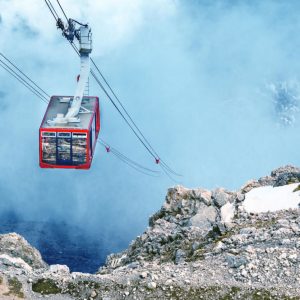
(227, 212)
(269, 198)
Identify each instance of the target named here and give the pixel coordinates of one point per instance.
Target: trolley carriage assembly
(70, 127)
(69, 145)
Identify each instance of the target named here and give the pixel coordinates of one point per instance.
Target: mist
(213, 85)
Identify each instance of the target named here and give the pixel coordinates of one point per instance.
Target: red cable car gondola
(70, 127)
(69, 145)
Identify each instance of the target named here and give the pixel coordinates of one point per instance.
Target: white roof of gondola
(60, 105)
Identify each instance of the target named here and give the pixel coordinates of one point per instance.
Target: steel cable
(24, 74)
(22, 80)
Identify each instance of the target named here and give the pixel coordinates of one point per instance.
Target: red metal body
(72, 145)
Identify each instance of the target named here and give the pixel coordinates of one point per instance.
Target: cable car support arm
(84, 36)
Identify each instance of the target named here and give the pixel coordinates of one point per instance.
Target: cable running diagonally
(112, 149)
(169, 175)
(122, 115)
(133, 166)
(25, 82)
(24, 74)
(6, 69)
(126, 112)
(52, 10)
(63, 11)
(128, 161)
(131, 119)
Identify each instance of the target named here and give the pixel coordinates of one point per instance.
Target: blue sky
(204, 80)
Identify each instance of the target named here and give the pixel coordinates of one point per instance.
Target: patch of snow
(268, 198)
(227, 212)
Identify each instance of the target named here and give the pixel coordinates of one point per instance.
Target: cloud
(193, 76)
(114, 22)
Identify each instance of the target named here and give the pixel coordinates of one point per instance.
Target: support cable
(52, 10)
(157, 159)
(22, 80)
(167, 173)
(133, 166)
(124, 109)
(111, 149)
(63, 11)
(114, 104)
(6, 69)
(128, 161)
(24, 74)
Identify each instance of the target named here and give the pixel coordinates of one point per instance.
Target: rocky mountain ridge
(200, 245)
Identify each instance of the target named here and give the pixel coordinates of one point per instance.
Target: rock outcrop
(15, 246)
(200, 245)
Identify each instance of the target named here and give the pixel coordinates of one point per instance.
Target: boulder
(286, 175)
(220, 197)
(15, 245)
(235, 261)
(180, 256)
(59, 269)
(16, 262)
(202, 195)
(204, 218)
(249, 185)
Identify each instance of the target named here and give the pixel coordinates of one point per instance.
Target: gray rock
(285, 175)
(220, 197)
(204, 218)
(59, 269)
(285, 170)
(152, 285)
(15, 245)
(240, 197)
(202, 195)
(251, 184)
(267, 180)
(133, 265)
(219, 247)
(283, 223)
(248, 230)
(235, 261)
(180, 256)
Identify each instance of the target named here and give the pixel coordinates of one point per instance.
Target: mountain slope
(200, 245)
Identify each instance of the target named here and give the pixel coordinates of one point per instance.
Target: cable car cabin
(69, 145)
